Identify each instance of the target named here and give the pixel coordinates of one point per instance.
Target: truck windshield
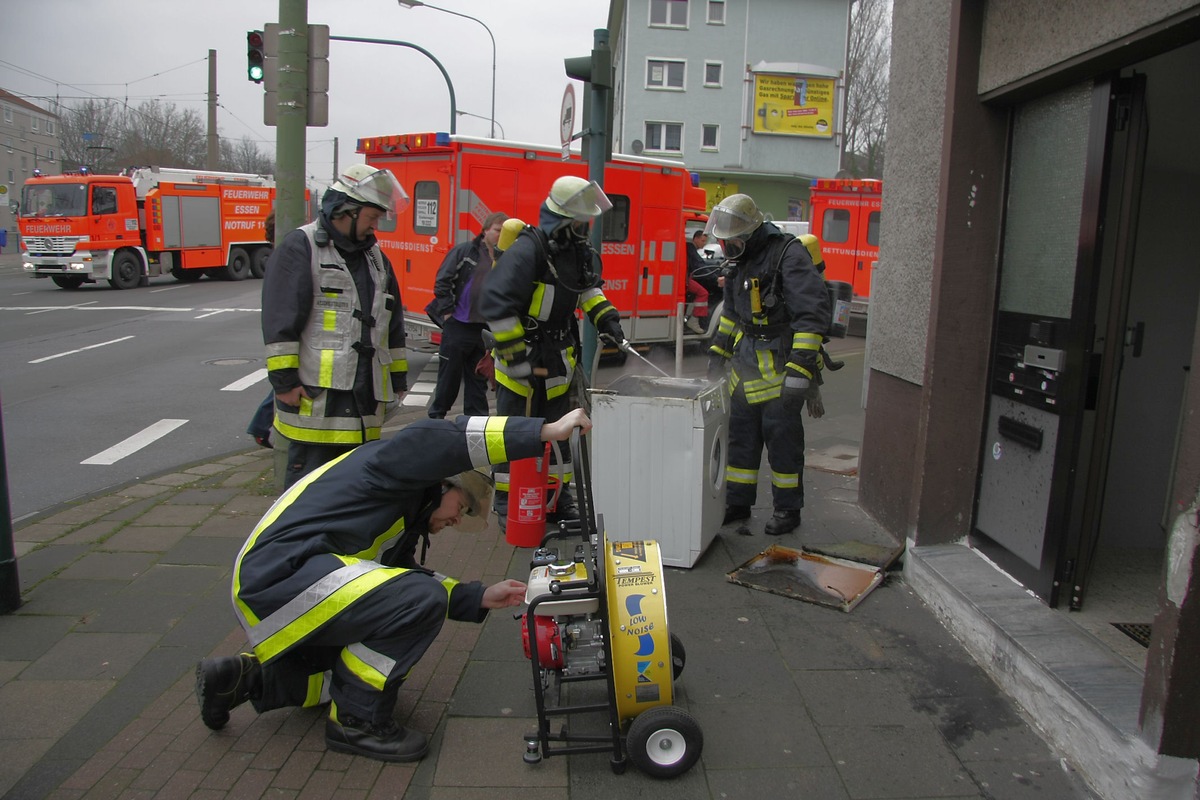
(54, 200)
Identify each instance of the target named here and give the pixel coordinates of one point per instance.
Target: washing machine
(658, 449)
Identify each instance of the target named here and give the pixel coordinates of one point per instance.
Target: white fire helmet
(577, 198)
(372, 186)
(735, 217)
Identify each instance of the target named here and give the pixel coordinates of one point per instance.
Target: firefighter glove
(519, 369)
(716, 367)
(795, 390)
(814, 402)
(610, 326)
(803, 364)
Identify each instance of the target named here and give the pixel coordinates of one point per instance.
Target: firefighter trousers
(361, 656)
(781, 429)
(511, 404)
(461, 349)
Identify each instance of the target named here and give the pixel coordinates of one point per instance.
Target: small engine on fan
(600, 615)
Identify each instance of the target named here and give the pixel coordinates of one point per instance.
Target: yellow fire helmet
(813, 245)
(509, 232)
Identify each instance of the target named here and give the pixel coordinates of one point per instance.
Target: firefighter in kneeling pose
(769, 337)
(530, 301)
(328, 586)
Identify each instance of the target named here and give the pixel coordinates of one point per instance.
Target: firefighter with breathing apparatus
(333, 323)
(769, 340)
(530, 300)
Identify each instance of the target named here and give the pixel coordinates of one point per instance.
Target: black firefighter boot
(223, 684)
(735, 513)
(782, 522)
(385, 741)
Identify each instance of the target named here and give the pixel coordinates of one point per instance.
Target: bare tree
(868, 58)
(157, 133)
(89, 134)
(244, 155)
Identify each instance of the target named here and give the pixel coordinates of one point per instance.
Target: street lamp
(422, 51)
(503, 135)
(419, 3)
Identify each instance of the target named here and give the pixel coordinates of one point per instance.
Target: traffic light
(255, 56)
(595, 70)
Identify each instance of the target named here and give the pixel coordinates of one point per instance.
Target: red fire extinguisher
(528, 481)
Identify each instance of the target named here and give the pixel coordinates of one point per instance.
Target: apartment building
(29, 135)
(747, 93)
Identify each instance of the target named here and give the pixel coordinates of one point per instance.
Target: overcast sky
(158, 49)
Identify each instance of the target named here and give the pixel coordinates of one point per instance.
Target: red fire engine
(82, 227)
(845, 217)
(456, 181)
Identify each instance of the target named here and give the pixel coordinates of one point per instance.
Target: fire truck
(456, 181)
(82, 227)
(845, 217)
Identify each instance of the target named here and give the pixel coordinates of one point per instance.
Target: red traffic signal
(255, 56)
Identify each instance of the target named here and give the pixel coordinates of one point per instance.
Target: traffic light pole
(596, 71)
(291, 115)
(10, 584)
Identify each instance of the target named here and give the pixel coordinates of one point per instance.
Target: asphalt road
(100, 387)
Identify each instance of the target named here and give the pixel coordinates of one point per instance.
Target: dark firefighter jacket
(786, 323)
(453, 275)
(530, 299)
(344, 530)
(291, 298)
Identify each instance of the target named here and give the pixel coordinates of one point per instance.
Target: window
(35, 154)
(33, 124)
(12, 178)
(50, 154)
(873, 228)
(671, 13)
(8, 143)
(664, 137)
(664, 74)
(104, 200)
(835, 226)
(708, 137)
(426, 199)
(614, 223)
(50, 127)
(712, 73)
(716, 12)
(8, 115)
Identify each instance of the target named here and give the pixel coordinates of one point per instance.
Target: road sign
(566, 117)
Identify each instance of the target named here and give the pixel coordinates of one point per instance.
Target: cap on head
(476, 487)
(577, 198)
(737, 216)
(370, 186)
(813, 245)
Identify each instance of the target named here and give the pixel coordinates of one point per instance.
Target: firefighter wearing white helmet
(333, 325)
(768, 339)
(329, 586)
(530, 301)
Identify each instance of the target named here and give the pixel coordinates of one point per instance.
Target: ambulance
(845, 217)
(82, 227)
(456, 181)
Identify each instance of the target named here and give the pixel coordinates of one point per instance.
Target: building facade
(28, 141)
(1033, 384)
(747, 93)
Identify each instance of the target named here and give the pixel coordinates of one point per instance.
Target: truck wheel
(664, 742)
(126, 271)
(258, 261)
(186, 275)
(238, 268)
(67, 281)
